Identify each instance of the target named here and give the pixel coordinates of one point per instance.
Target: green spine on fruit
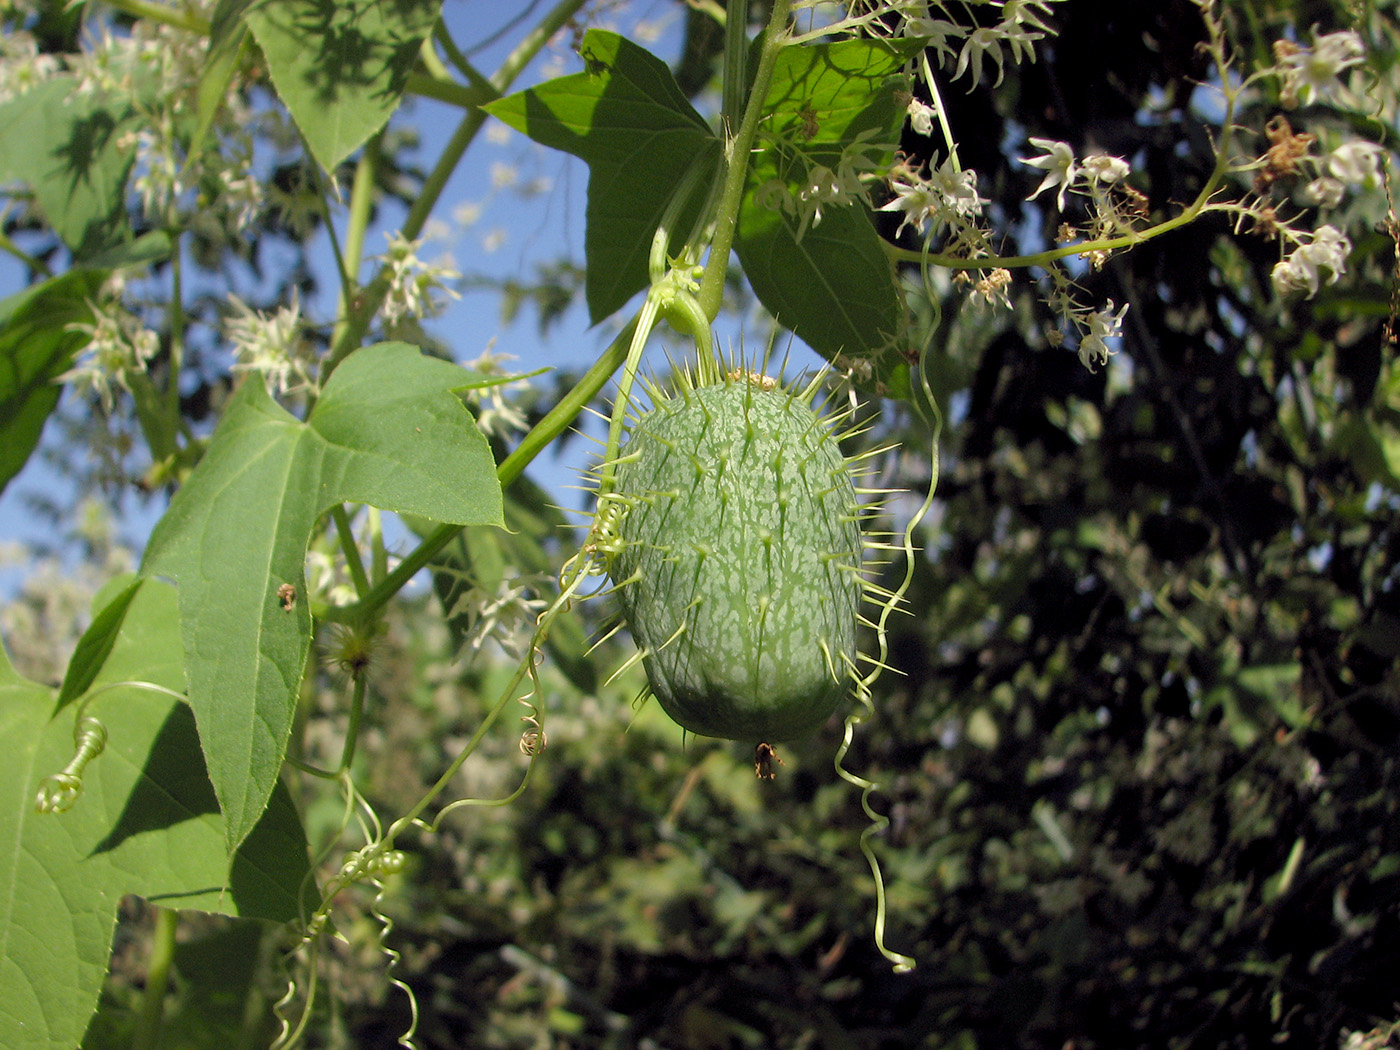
(738, 556)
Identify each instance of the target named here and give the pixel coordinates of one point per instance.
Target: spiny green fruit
(738, 558)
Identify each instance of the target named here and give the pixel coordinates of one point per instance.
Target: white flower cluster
(1326, 248)
(505, 615)
(414, 286)
(1312, 75)
(272, 346)
(965, 47)
(118, 346)
(947, 197)
(155, 70)
(1092, 328)
(1352, 164)
(1090, 176)
(1096, 328)
(824, 187)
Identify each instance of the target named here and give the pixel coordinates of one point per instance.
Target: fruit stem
(646, 320)
(737, 154)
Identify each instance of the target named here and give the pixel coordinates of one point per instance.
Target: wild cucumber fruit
(738, 556)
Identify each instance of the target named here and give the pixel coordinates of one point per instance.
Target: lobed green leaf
(340, 68)
(146, 823)
(626, 116)
(387, 431)
(37, 345)
(830, 282)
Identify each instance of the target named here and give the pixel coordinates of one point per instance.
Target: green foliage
(37, 345)
(146, 823)
(341, 68)
(67, 145)
(1138, 763)
(640, 136)
(829, 281)
(387, 431)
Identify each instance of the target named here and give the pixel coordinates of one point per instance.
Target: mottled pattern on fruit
(739, 557)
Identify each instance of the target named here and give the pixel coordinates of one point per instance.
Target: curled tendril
(877, 821)
(60, 792)
(599, 545)
(386, 926)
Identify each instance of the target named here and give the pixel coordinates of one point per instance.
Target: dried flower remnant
(1281, 159)
(763, 758)
(991, 289)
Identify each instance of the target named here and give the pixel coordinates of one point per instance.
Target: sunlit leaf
(146, 823)
(340, 68)
(37, 345)
(626, 116)
(66, 145)
(387, 431)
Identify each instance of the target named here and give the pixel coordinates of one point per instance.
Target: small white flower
(242, 198)
(506, 614)
(1302, 270)
(1022, 41)
(957, 188)
(414, 285)
(467, 213)
(1026, 13)
(1058, 164)
(1355, 163)
(21, 65)
(921, 117)
(1325, 191)
(1102, 325)
(503, 175)
(934, 32)
(1312, 72)
(822, 187)
(919, 202)
(981, 42)
(495, 414)
(1101, 167)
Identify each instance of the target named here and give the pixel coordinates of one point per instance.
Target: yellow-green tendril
(59, 792)
(878, 822)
